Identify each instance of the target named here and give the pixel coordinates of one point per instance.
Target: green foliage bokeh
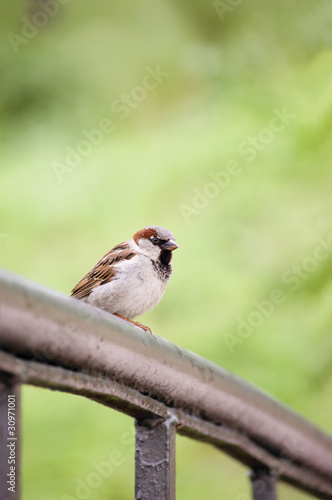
(226, 74)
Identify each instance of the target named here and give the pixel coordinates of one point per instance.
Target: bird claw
(145, 328)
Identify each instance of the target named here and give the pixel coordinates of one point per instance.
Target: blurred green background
(225, 72)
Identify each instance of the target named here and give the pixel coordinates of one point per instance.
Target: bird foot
(145, 328)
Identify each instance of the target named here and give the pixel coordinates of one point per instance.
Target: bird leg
(145, 328)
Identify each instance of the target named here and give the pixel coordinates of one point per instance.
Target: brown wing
(103, 272)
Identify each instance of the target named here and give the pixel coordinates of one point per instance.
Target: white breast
(135, 289)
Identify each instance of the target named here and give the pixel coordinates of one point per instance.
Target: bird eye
(155, 240)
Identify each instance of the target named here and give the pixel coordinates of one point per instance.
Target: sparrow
(132, 277)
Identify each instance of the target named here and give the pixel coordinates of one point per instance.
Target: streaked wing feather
(103, 272)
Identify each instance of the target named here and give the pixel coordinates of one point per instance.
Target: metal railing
(50, 340)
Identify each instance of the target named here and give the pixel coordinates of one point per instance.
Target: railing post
(155, 459)
(263, 483)
(9, 438)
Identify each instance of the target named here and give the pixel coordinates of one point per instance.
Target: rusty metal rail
(50, 340)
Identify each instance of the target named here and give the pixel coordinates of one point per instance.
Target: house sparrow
(132, 277)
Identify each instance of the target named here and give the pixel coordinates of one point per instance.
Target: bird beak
(169, 245)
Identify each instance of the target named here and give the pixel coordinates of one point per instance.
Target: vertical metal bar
(263, 484)
(9, 438)
(155, 460)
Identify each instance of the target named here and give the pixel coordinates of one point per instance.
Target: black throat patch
(162, 265)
